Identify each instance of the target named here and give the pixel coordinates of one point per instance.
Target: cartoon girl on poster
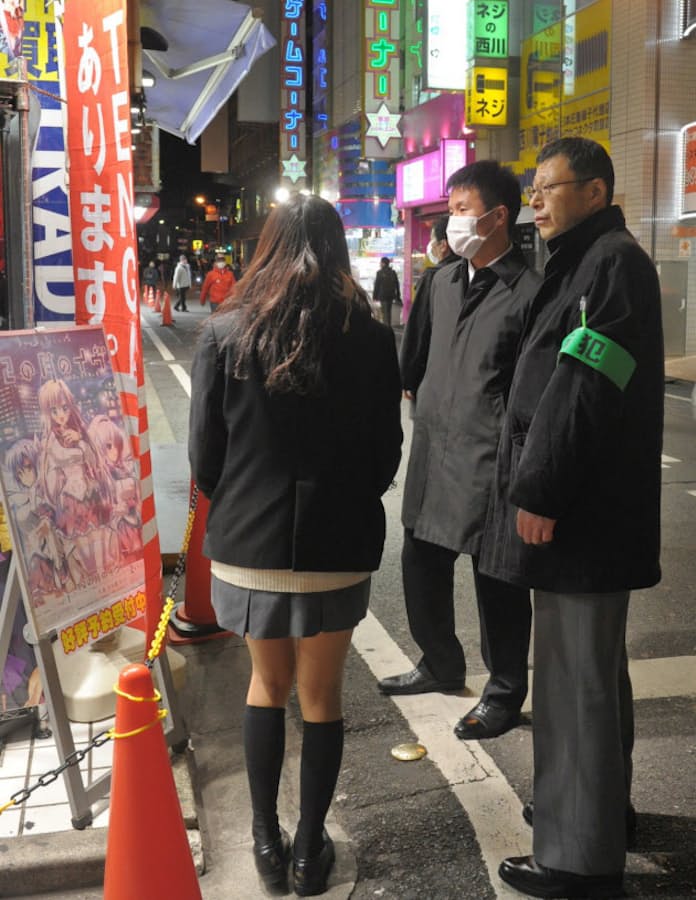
(49, 568)
(75, 481)
(11, 27)
(112, 443)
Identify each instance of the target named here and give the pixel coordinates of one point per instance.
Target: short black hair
(439, 228)
(384, 259)
(496, 184)
(586, 158)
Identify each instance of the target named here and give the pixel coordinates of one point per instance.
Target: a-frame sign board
(71, 493)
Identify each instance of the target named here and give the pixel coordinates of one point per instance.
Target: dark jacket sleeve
(581, 412)
(415, 344)
(386, 411)
(207, 430)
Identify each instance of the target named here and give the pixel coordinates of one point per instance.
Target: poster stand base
(87, 678)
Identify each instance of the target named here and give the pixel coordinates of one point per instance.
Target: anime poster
(70, 484)
(11, 27)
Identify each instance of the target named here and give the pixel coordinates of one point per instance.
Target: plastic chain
(161, 713)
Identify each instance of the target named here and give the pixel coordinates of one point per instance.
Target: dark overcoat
(461, 400)
(294, 481)
(575, 447)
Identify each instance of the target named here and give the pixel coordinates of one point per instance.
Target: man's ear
(598, 191)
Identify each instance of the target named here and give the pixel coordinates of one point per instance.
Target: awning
(212, 46)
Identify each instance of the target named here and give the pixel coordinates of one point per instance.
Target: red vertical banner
(103, 227)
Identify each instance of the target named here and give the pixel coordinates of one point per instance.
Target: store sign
(688, 188)
(103, 225)
(381, 138)
(487, 29)
(445, 39)
(34, 38)
(293, 91)
(423, 179)
(487, 96)
(321, 44)
(544, 15)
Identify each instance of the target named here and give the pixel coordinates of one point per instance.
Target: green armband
(600, 353)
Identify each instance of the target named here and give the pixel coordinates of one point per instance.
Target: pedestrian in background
(181, 282)
(386, 290)
(575, 515)
(218, 283)
(415, 343)
(294, 435)
(151, 275)
(478, 307)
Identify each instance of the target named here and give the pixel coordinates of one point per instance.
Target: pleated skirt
(269, 614)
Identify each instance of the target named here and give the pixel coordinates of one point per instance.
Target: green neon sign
(487, 30)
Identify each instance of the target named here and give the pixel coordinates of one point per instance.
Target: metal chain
(72, 759)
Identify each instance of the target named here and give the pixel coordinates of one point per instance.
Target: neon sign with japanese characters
(486, 96)
(293, 90)
(381, 138)
(487, 29)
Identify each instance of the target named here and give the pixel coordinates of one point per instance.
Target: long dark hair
(295, 296)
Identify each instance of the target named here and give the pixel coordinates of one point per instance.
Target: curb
(36, 864)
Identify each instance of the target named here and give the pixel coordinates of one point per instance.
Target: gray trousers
(583, 731)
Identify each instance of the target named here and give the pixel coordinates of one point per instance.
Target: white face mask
(220, 265)
(463, 237)
(430, 253)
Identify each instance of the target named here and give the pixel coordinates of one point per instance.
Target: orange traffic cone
(166, 311)
(150, 296)
(145, 813)
(144, 294)
(194, 619)
(158, 306)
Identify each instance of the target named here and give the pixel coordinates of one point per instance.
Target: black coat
(461, 400)
(386, 286)
(295, 482)
(575, 447)
(415, 343)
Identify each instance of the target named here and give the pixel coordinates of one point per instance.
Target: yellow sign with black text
(487, 96)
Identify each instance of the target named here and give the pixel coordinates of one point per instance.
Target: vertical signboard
(487, 29)
(381, 138)
(293, 91)
(688, 194)
(36, 41)
(487, 96)
(321, 47)
(103, 226)
(445, 41)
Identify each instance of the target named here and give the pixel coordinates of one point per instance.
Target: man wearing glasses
(575, 515)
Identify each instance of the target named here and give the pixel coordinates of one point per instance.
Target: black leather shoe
(272, 862)
(526, 875)
(486, 721)
(631, 822)
(418, 681)
(311, 873)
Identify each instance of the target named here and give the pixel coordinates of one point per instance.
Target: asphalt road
(417, 829)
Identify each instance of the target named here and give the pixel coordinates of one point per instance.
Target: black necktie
(484, 278)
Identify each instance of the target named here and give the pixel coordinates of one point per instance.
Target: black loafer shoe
(418, 681)
(486, 721)
(526, 875)
(631, 822)
(311, 873)
(272, 862)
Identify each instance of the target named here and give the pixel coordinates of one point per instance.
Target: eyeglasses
(546, 189)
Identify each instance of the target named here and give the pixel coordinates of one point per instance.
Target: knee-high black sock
(322, 751)
(264, 749)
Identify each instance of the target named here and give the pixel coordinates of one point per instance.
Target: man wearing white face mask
(478, 307)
